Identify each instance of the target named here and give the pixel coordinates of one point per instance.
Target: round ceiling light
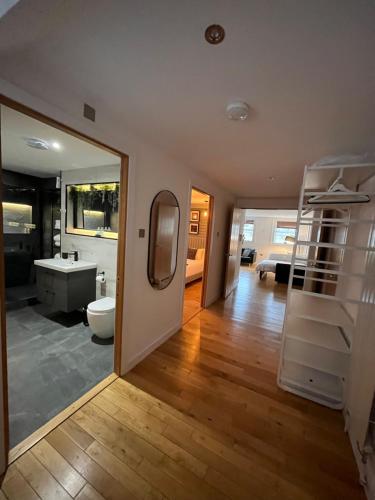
(214, 34)
(238, 110)
(37, 143)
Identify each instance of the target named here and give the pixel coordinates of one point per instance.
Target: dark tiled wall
(22, 249)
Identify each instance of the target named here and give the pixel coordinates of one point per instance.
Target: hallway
(211, 423)
(192, 300)
(221, 370)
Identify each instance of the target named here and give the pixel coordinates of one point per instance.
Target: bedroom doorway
(200, 215)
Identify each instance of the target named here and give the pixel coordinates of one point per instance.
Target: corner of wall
(135, 360)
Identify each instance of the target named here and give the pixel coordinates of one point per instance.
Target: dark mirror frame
(156, 284)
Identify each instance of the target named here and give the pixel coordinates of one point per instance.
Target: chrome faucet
(68, 255)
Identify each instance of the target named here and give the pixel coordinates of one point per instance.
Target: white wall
(361, 380)
(275, 203)
(149, 316)
(99, 250)
(153, 315)
(264, 224)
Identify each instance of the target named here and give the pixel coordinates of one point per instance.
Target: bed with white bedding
(269, 265)
(194, 267)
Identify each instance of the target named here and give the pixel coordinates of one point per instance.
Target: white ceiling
(307, 69)
(16, 155)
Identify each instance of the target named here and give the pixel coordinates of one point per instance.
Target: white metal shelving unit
(318, 327)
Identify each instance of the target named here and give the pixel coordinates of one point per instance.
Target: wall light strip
(9, 205)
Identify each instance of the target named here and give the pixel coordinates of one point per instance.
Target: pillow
(200, 254)
(191, 253)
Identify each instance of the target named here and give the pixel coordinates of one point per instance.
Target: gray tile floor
(49, 367)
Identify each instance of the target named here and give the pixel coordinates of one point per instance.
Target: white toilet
(101, 317)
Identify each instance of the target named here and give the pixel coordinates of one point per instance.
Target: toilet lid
(106, 304)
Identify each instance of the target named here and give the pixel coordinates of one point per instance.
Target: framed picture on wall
(193, 228)
(194, 215)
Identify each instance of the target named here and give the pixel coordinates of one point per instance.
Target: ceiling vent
(89, 112)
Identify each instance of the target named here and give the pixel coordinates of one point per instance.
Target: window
(284, 229)
(248, 230)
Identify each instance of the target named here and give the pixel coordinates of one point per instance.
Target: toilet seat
(104, 305)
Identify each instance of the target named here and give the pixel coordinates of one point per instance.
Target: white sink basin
(65, 265)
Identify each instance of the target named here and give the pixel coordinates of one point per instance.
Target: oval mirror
(163, 239)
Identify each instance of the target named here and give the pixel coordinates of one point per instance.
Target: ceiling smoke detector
(37, 143)
(238, 110)
(214, 34)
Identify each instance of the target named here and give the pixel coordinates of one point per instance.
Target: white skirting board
(130, 364)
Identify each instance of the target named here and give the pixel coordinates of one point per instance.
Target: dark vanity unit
(65, 286)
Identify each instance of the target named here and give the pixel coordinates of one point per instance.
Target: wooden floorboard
(200, 418)
(220, 370)
(192, 300)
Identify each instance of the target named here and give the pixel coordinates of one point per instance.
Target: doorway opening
(268, 237)
(63, 232)
(199, 230)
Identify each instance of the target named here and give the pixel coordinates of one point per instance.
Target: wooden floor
(192, 300)
(212, 423)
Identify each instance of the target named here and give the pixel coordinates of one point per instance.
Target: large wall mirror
(92, 209)
(163, 240)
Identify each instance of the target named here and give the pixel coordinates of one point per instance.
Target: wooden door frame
(208, 247)
(228, 255)
(3, 337)
(120, 271)
(210, 212)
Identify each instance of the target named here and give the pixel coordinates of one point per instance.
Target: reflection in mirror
(163, 240)
(17, 218)
(92, 209)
